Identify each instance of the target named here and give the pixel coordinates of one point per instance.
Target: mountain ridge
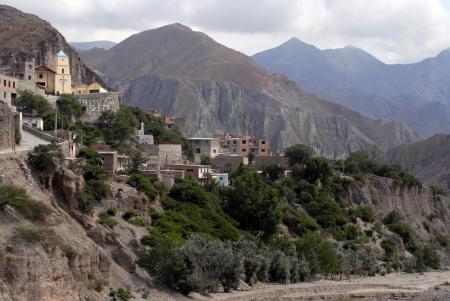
(152, 72)
(354, 78)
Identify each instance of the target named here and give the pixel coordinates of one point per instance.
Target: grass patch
(18, 199)
(31, 235)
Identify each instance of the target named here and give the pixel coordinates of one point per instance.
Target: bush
(144, 184)
(298, 222)
(45, 158)
(23, 203)
(31, 235)
(71, 252)
(129, 214)
(327, 212)
(388, 247)
(107, 220)
(406, 233)
(121, 294)
(427, 256)
(320, 254)
(364, 213)
(99, 189)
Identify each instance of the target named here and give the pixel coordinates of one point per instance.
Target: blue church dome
(61, 54)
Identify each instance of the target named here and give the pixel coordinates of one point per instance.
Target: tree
(32, 103)
(117, 126)
(205, 160)
(253, 203)
(45, 158)
(273, 172)
(317, 168)
(69, 106)
(299, 154)
(137, 160)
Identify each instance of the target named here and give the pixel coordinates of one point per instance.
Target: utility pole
(56, 121)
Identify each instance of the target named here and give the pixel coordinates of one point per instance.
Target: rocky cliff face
(25, 36)
(429, 159)
(426, 213)
(47, 269)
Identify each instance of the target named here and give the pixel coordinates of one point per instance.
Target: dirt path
(397, 286)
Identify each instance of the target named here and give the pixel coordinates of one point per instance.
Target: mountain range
(417, 94)
(186, 73)
(93, 44)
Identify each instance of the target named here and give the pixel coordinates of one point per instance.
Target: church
(57, 78)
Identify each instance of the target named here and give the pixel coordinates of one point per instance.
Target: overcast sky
(396, 31)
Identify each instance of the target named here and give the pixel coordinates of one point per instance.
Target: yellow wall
(63, 79)
(48, 78)
(91, 88)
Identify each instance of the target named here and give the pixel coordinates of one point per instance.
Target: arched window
(62, 71)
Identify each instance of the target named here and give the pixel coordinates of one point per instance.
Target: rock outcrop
(73, 259)
(426, 213)
(429, 159)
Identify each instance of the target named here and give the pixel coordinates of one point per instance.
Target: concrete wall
(166, 153)
(226, 163)
(6, 127)
(96, 103)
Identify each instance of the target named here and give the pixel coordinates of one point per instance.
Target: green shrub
(298, 222)
(406, 233)
(392, 218)
(18, 199)
(107, 220)
(129, 214)
(364, 213)
(31, 235)
(144, 184)
(45, 158)
(326, 211)
(71, 252)
(112, 211)
(388, 247)
(137, 221)
(98, 189)
(121, 294)
(427, 256)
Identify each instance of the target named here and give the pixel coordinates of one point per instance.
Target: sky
(395, 31)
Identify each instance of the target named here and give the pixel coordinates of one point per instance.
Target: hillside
(416, 94)
(25, 36)
(221, 90)
(429, 159)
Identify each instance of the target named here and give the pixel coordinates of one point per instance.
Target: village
(213, 157)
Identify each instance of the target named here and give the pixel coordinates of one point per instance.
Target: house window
(9, 84)
(4, 83)
(29, 77)
(197, 150)
(62, 70)
(234, 141)
(41, 75)
(14, 85)
(263, 142)
(263, 150)
(4, 95)
(244, 150)
(234, 150)
(214, 151)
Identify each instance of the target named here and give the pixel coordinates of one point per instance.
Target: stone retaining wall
(96, 103)
(6, 127)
